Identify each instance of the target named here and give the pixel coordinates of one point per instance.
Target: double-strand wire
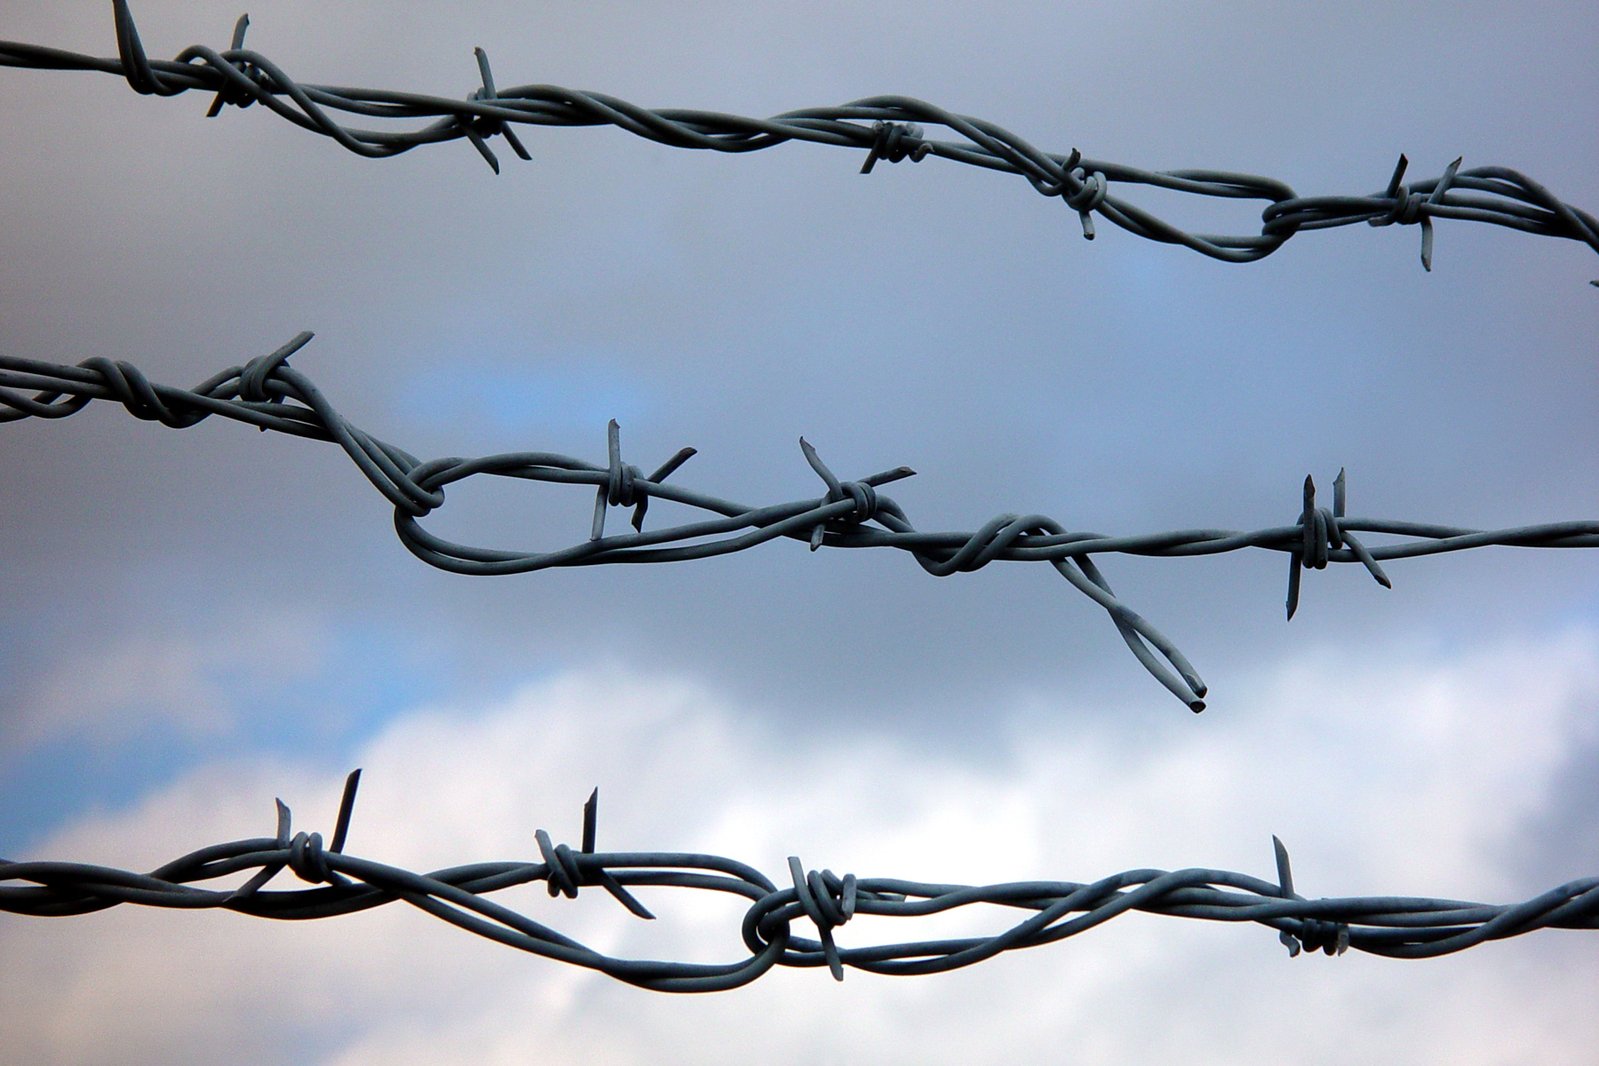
(888, 128)
(268, 393)
(1402, 927)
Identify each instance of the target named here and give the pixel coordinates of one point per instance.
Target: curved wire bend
(1395, 926)
(268, 393)
(886, 127)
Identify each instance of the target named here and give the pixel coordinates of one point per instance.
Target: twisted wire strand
(268, 393)
(887, 127)
(1399, 927)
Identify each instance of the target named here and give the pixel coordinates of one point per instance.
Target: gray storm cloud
(1434, 738)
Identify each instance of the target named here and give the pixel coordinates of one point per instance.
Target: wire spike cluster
(305, 854)
(1393, 926)
(224, 96)
(569, 870)
(270, 394)
(622, 480)
(1409, 205)
(886, 127)
(1325, 533)
(479, 130)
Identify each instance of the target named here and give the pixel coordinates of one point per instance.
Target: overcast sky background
(194, 622)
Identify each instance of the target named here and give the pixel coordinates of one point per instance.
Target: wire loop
(851, 514)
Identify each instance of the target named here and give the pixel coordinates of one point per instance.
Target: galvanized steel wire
(886, 127)
(1395, 926)
(267, 392)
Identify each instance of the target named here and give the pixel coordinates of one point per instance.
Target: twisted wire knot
(1090, 192)
(1330, 938)
(1313, 934)
(1411, 207)
(1322, 533)
(231, 91)
(566, 876)
(129, 387)
(829, 901)
(235, 94)
(1088, 195)
(895, 141)
(621, 488)
(257, 372)
(1406, 210)
(987, 543)
(307, 856)
(478, 128)
(309, 860)
(861, 494)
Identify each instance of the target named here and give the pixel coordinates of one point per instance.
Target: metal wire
(268, 393)
(886, 127)
(1400, 927)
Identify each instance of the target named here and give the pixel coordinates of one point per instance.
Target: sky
(195, 622)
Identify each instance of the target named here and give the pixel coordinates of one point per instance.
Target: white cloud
(179, 680)
(1383, 779)
(109, 694)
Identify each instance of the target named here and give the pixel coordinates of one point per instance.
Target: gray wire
(886, 127)
(1401, 927)
(268, 393)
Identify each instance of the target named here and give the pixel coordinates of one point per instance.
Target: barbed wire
(1401, 927)
(268, 393)
(886, 127)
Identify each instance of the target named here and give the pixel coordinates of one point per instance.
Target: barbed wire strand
(268, 393)
(886, 127)
(1398, 927)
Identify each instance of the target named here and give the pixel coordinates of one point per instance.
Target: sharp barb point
(30, 388)
(591, 817)
(341, 830)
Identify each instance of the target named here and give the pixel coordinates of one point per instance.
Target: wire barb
(1415, 207)
(887, 127)
(1305, 934)
(569, 871)
(1398, 927)
(478, 130)
(895, 142)
(1089, 195)
(829, 902)
(229, 94)
(1324, 534)
(305, 854)
(268, 393)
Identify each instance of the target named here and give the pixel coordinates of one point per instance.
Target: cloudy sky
(194, 622)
